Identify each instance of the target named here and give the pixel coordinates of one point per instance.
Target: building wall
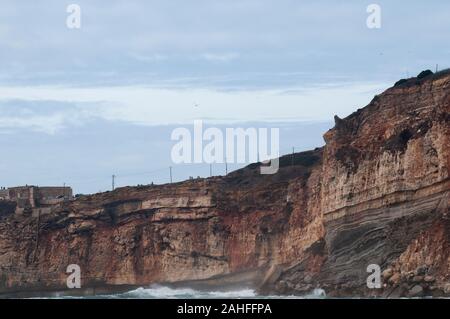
(42, 211)
(4, 194)
(19, 192)
(35, 199)
(53, 192)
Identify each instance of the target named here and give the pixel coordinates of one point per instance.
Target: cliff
(376, 193)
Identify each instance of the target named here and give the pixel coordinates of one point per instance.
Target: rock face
(377, 193)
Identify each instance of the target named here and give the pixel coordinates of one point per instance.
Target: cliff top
(402, 112)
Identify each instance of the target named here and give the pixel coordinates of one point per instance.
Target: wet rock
(282, 287)
(421, 271)
(416, 291)
(395, 279)
(429, 279)
(417, 279)
(307, 279)
(396, 292)
(447, 288)
(409, 276)
(303, 288)
(387, 273)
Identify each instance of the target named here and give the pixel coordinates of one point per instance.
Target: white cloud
(153, 106)
(143, 42)
(149, 58)
(224, 57)
(45, 116)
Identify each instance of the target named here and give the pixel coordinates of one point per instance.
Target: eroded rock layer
(377, 193)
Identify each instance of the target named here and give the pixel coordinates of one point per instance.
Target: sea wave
(156, 291)
(164, 292)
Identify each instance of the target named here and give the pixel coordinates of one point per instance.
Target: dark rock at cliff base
(421, 271)
(395, 292)
(417, 279)
(429, 279)
(416, 291)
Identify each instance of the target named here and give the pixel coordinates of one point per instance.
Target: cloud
(224, 57)
(50, 109)
(149, 58)
(46, 116)
(149, 42)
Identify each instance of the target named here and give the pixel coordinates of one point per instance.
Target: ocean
(163, 292)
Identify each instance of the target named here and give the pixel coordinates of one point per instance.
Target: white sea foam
(156, 291)
(164, 292)
(319, 293)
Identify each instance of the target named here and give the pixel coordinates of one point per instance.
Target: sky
(79, 105)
